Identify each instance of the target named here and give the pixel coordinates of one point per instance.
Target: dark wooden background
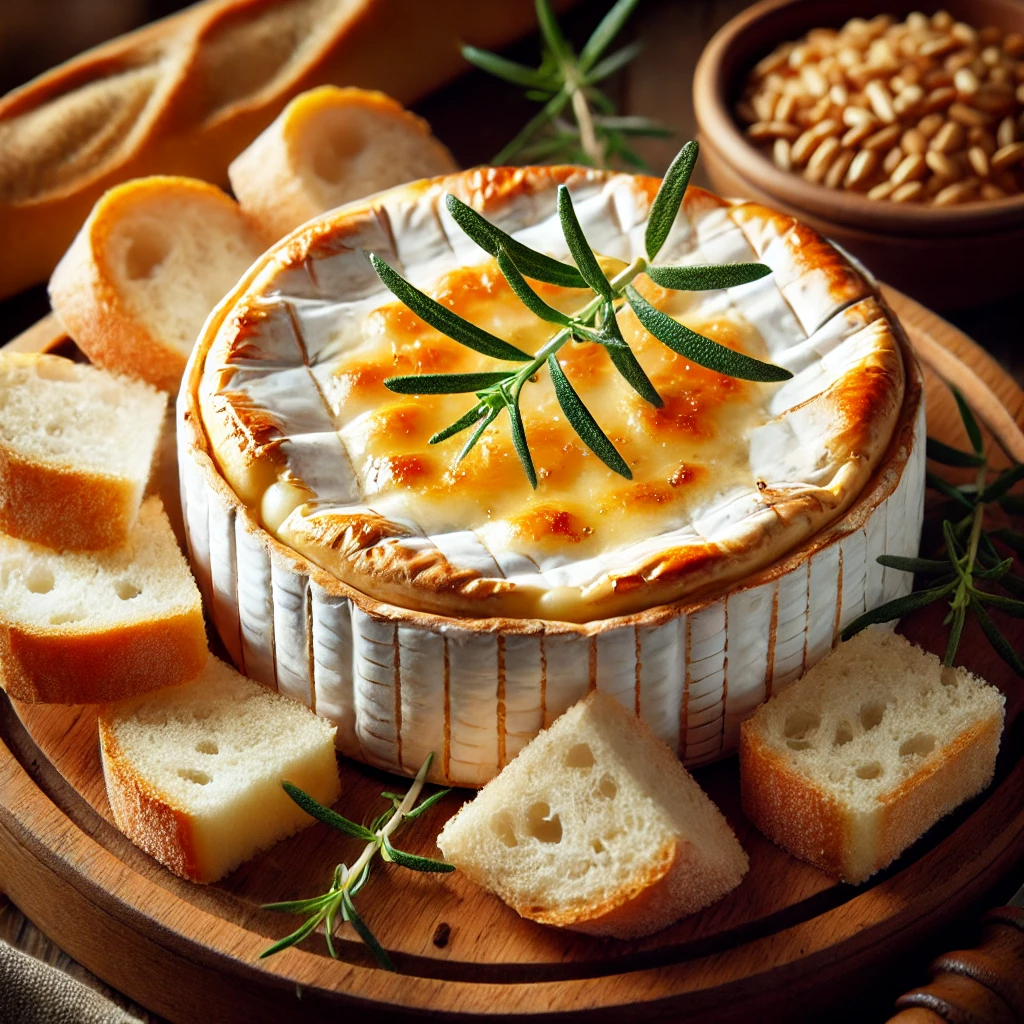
(475, 117)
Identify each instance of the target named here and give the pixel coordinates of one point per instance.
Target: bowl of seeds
(894, 130)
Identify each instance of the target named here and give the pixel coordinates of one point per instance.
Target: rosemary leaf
(1003, 483)
(329, 924)
(304, 930)
(940, 485)
(943, 453)
(929, 566)
(699, 279)
(326, 815)
(1010, 605)
(445, 383)
(996, 639)
(492, 415)
(970, 423)
(300, 906)
(617, 61)
(959, 617)
(582, 255)
(997, 571)
(426, 804)
(699, 349)
(520, 444)
(508, 70)
(414, 862)
(583, 423)
(526, 295)
(632, 125)
(602, 36)
(351, 914)
(443, 319)
(551, 109)
(667, 202)
(550, 30)
(625, 361)
(492, 240)
(897, 608)
(462, 423)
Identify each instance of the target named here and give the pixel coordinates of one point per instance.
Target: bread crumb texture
(597, 827)
(194, 772)
(847, 767)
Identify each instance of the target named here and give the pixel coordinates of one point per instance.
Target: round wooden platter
(787, 938)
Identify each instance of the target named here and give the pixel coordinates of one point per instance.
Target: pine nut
(883, 138)
(1006, 132)
(950, 137)
(854, 117)
(839, 95)
(979, 161)
(967, 115)
(909, 97)
(930, 124)
(942, 20)
(913, 141)
(808, 142)
(882, 190)
(937, 46)
(910, 168)
(841, 164)
(963, 33)
(821, 160)
(983, 139)
(857, 135)
(780, 154)
(764, 104)
(892, 160)
(1007, 156)
(943, 167)
(863, 166)
(966, 81)
(881, 101)
(814, 81)
(908, 192)
(784, 108)
(939, 98)
(958, 192)
(993, 100)
(991, 55)
(955, 61)
(990, 191)
(772, 130)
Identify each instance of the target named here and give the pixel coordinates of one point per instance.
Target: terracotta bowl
(948, 258)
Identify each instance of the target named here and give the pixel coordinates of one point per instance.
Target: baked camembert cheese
(726, 476)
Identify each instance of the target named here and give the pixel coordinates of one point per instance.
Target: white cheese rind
(401, 684)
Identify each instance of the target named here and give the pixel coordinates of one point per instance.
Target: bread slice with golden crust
(850, 765)
(76, 448)
(328, 147)
(597, 827)
(88, 627)
(194, 772)
(150, 263)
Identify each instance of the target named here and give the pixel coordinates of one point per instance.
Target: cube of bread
(87, 627)
(597, 827)
(76, 448)
(151, 261)
(194, 772)
(847, 767)
(328, 147)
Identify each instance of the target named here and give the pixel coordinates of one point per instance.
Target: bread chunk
(194, 772)
(328, 147)
(847, 767)
(88, 627)
(597, 827)
(150, 263)
(76, 448)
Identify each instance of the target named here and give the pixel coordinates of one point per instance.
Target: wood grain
(788, 934)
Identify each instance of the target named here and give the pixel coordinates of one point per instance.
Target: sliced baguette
(76, 449)
(330, 146)
(194, 772)
(597, 827)
(150, 263)
(847, 767)
(88, 627)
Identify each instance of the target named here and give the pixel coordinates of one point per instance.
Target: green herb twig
(971, 556)
(594, 323)
(567, 82)
(348, 881)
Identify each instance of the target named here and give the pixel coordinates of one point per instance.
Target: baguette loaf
(194, 772)
(597, 827)
(328, 147)
(847, 767)
(150, 263)
(76, 449)
(186, 95)
(83, 628)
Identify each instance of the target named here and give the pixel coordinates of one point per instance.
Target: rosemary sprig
(567, 82)
(970, 554)
(347, 882)
(594, 323)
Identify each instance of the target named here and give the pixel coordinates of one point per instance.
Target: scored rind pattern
(401, 685)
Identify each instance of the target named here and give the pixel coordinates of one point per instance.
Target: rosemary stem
(979, 514)
(585, 120)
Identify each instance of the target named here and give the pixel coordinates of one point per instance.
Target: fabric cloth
(32, 992)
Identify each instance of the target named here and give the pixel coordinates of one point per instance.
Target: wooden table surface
(657, 85)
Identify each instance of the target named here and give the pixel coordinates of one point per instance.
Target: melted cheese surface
(726, 475)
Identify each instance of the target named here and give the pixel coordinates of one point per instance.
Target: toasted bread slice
(330, 146)
(194, 772)
(88, 627)
(150, 263)
(847, 767)
(76, 448)
(597, 827)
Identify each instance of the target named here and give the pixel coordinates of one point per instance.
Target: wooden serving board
(789, 940)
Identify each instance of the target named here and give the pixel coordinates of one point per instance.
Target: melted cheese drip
(680, 455)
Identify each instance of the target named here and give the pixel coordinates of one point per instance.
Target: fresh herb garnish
(595, 323)
(564, 82)
(970, 554)
(347, 882)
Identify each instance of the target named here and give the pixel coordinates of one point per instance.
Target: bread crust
(64, 507)
(863, 407)
(67, 666)
(179, 106)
